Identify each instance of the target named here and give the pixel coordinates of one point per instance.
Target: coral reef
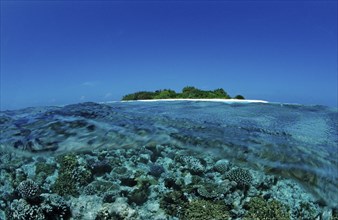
(71, 176)
(241, 176)
(204, 210)
(127, 184)
(193, 164)
(22, 210)
(211, 190)
(222, 166)
(173, 202)
(305, 210)
(28, 189)
(258, 208)
(101, 167)
(55, 207)
(50, 207)
(46, 168)
(156, 170)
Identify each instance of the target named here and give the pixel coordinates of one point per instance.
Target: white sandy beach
(204, 100)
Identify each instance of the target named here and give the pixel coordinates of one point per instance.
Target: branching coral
(70, 176)
(258, 208)
(205, 210)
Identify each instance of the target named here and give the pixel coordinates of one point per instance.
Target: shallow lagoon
(160, 160)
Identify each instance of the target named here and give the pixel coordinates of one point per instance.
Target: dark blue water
(294, 141)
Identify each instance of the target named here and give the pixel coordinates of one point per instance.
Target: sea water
(294, 142)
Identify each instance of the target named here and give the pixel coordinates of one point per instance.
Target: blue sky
(60, 52)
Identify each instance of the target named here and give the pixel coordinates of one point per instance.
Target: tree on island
(165, 94)
(239, 97)
(188, 92)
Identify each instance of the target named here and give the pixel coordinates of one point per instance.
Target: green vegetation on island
(188, 92)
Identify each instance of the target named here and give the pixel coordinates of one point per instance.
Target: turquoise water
(294, 142)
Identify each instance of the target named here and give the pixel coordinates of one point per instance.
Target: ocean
(169, 160)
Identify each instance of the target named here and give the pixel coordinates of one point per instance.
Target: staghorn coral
(71, 176)
(65, 184)
(258, 208)
(205, 210)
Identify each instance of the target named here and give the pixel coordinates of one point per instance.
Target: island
(188, 92)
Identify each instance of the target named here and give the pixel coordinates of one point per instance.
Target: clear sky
(60, 52)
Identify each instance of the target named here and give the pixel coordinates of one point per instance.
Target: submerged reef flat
(148, 182)
(177, 160)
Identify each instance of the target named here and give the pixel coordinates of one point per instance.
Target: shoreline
(201, 100)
